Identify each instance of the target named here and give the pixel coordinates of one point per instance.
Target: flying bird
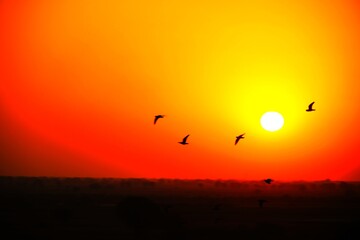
(310, 108)
(183, 142)
(239, 137)
(157, 117)
(261, 202)
(268, 181)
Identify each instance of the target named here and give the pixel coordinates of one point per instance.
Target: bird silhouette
(241, 136)
(268, 181)
(183, 142)
(310, 108)
(157, 117)
(261, 202)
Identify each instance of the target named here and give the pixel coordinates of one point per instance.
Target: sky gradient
(82, 80)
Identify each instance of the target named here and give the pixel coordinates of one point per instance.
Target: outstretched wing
(311, 105)
(185, 138)
(156, 118)
(239, 137)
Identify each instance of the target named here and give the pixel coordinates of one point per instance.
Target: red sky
(82, 80)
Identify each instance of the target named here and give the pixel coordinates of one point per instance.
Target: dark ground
(85, 208)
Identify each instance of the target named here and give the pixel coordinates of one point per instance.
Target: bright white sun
(272, 121)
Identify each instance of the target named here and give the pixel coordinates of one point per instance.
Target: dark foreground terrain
(84, 208)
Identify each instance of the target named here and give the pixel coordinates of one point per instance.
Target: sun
(272, 121)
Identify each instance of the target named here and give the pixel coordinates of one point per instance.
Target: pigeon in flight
(157, 117)
(268, 181)
(310, 109)
(239, 137)
(183, 142)
(261, 202)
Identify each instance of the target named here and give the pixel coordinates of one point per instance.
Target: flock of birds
(237, 139)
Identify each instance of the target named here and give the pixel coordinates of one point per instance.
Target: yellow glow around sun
(272, 121)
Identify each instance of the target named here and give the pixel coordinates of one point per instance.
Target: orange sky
(82, 80)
